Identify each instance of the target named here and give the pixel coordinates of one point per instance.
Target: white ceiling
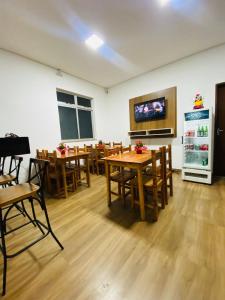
(139, 35)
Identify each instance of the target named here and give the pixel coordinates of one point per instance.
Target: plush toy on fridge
(198, 102)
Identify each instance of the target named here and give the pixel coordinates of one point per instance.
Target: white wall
(196, 73)
(28, 105)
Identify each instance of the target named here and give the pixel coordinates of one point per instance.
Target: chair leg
(34, 216)
(155, 204)
(97, 168)
(123, 195)
(3, 246)
(171, 185)
(132, 192)
(119, 189)
(162, 192)
(49, 225)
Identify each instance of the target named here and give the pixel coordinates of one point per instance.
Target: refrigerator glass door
(197, 140)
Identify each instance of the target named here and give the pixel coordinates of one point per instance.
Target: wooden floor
(110, 254)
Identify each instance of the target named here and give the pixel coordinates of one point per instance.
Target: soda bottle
(206, 131)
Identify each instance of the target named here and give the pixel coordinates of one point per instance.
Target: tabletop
(69, 155)
(130, 157)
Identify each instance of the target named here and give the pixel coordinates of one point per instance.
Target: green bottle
(202, 131)
(199, 131)
(206, 131)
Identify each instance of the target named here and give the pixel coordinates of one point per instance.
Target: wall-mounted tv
(150, 110)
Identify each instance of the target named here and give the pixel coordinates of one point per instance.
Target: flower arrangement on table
(62, 148)
(139, 147)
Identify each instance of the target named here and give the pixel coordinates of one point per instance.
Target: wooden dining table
(133, 161)
(62, 159)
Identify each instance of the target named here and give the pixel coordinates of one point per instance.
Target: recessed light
(163, 2)
(94, 42)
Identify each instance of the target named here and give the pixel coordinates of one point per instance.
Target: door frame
(215, 123)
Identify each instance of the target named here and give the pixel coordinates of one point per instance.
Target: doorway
(219, 143)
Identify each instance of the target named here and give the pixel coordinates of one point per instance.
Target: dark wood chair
(154, 184)
(29, 192)
(124, 178)
(117, 144)
(78, 166)
(169, 171)
(107, 144)
(54, 175)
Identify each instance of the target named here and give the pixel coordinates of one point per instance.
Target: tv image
(150, 110)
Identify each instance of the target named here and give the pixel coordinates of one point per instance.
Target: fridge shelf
(199, 151)
(196, 137)
(196, 166)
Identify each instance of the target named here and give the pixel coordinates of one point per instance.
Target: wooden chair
(154, 185)
(88, 148)
(29, 193)
(126, 149)
(169, 171)
(100, 163)
(77, 166)
(124, 178)
(54, 174)
(41, 154)
(117, 144)
(108, 144)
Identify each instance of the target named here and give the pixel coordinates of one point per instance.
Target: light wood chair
(169, 171)
(124, 178)
(154, 185)
(126, 149)
(78, 166)
(108, 144)
(117, 144)
(54, 174)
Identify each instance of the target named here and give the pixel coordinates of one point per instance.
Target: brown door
(219, 147)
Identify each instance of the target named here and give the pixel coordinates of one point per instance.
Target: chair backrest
(88, 148)
(126, 149)
(107, 144)
(110, 152)
(100, 146)
(14, 167)
(37, 173)
(158, 164)
(95, 154)
(2, 165)
(117, 144)
(168, 158)
(41, 154)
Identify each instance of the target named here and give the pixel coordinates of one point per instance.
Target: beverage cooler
(198, 146)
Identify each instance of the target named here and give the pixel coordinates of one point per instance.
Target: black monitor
(14, 146)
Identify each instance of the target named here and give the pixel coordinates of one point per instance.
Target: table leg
(64, 179)
(88, 172)
(141, 194)
(108, 182)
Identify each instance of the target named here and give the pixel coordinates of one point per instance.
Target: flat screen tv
(150, 110)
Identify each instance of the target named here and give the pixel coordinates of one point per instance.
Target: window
(75, 116)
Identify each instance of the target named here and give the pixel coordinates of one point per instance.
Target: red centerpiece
(139, 147)
(62, 148)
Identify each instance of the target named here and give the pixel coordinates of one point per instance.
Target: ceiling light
(94, 42)
(163, 2)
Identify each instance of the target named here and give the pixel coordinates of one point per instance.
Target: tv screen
(150, 110)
